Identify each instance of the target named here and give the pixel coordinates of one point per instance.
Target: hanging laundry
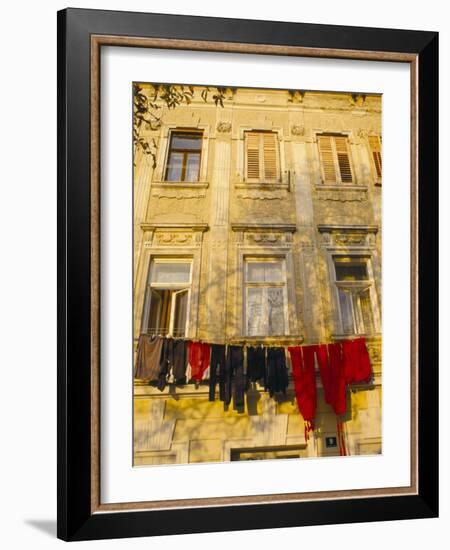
(304, 375)
(356, 361)
(199, 353)
(256, 364)
(173, 362)
(324, 368)
(235, 371)
(217, 371)
(277, 374)
(148, 357)
(337, 385)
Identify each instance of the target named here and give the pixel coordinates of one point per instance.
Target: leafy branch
(148, 109)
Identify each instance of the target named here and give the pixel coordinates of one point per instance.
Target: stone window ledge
(266, 185)
(341, 187)
(180, 184)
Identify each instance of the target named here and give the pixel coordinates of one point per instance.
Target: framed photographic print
(247, 252)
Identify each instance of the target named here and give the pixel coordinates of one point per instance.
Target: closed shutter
(375, 147)
(343, 159)
(253, 156)
(335, 159)
(327, 159)
(262, 156)
(270, 156)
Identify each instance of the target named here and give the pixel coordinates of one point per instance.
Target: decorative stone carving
(350, 239)
(363, 133)
(224, 127)
(358, 99)
(298, 130)
(178, 194)
(342, 195)
(264, 238)
(259, 194)
(374, 350)
(348, 235)
(173, 238)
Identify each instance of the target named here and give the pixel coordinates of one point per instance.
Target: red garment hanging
(199, 353)
(336, 380)
(303, 371)
(356, 361)
(324, 367)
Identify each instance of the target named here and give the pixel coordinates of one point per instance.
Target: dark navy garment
(217, 367)
(256, 364)
(173, 360)
(277, 373)
(235, 376)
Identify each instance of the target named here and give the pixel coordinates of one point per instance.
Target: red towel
(302, 359)
(199, 353)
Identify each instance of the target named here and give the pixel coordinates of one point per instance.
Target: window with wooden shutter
(375, 148)
(262, 157)
(335, 159)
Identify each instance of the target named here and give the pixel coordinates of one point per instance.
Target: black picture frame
(76, 519)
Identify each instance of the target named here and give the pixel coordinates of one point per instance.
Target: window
(375, 149)
(354, 289)
(335, 159)
(268, 453)
(183, 161)
(167, 304)
(262, 157)
(265, 297)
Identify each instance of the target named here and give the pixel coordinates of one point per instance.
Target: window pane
(366, 311)
(192, 167)
(170, 272)
(345, 303)
(256, 323)
(350, 271)
(174, 167)
(186, 141)
(180, 313)
(276, 311)
(159, 315)
(265, 272)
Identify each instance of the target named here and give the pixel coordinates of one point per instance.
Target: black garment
(216, 370)
(173, 359)
(179, 360)
(256, 364)
(235, 369)
(277, 373)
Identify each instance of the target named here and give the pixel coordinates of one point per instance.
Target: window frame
(377, 177)
(283, 284)
(337, 168)
(175, 287)
(184, 131)
(262, 179)
(360, 285)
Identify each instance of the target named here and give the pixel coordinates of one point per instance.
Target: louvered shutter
(327, 159)
(253, 157)
(343, 159)
(375, 147)
(270, 156)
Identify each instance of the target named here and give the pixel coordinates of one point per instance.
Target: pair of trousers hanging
(217, 371)
(277, 373)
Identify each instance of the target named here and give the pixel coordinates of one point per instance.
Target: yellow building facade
(258, 220)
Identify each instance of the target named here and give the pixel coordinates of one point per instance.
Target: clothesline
(235, 368)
